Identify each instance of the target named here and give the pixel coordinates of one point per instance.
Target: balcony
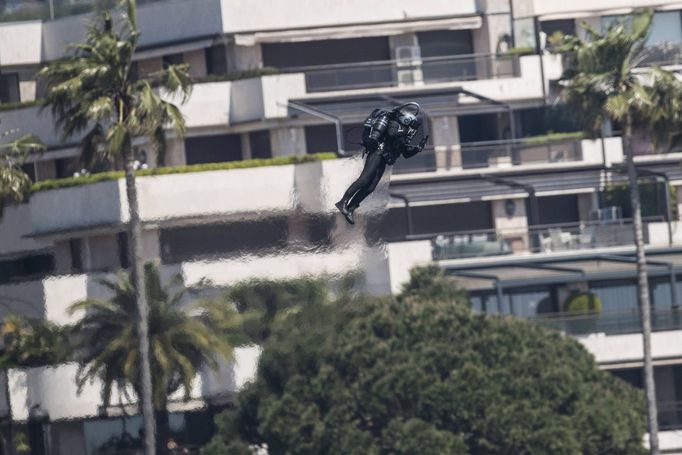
(588, 235)
(412, 72)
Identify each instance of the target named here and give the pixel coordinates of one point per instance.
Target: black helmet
(406, 117)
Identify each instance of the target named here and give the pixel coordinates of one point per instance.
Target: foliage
(430, 283)
(583, 302)
(94, 90)
(600, 81)
(31, 342)
(552, 137)
(262, 303)
(183, 337)
(19, 105)
(115, 175)
(650, 193)
(380, 376)
(15, 185)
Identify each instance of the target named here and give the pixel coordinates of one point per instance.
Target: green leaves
(386, 376)
(94, 90)
(183, 337)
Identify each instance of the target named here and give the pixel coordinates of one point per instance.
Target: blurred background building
(508, 198)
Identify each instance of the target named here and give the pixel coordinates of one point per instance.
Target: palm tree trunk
(137, 273)
(10, 423)
(643, 285)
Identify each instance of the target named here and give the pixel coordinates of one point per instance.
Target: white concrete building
(520, 217)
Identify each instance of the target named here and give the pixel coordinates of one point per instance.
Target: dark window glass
(260, 144)
(216, 59)
(558, 209)
(30, 170)
(75, 247)
(66, 167)
(213, 149)
(325, 52)
(320, 138)
(172, 59)
(446, 43)
(565, 26)
(9, 88)
(218, 240)
(26, 267)
(123, 249)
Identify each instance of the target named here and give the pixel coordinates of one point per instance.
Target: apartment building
(507, 198)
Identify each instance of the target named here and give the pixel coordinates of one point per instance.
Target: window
(9, 88)
(260, 144)
(66, 167)
(213, 149)
(25, 267)
(172, 59)
(216, 59)
(30, 170)
(564, 26)
(217, 240)
(76, 250)
(445, 43)
(558, 209)
(320, 138)
(326, 52)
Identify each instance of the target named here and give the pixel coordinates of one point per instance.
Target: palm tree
(15, 185)
(28, 342)
(183, 337)
(601, 83)
(96, 91)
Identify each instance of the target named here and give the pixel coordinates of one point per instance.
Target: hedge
(115, 175)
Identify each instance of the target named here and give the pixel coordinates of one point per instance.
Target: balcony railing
(612, 322)
(537, 239)
(414, 71)
(475, 155)
(18, 10)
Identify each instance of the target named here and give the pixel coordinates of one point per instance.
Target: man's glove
(422, 143)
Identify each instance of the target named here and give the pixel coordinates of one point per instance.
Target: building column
(445, 140)
(246, 146)
(288, 142)
(511, 222)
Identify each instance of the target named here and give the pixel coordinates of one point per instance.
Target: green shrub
(552, 137)
(115, 175)
(582, 303)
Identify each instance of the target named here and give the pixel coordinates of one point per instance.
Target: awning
(357, 31)
(172, 48)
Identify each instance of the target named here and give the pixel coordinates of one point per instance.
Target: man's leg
(373, 162)
(360, 196)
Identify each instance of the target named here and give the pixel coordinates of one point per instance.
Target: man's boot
(345, 211)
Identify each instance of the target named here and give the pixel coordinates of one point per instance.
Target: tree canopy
(414, 375)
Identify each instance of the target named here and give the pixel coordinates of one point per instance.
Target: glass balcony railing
(476, 155)
(407, 72)
(24, 10)
(537, 239)
(611, 323)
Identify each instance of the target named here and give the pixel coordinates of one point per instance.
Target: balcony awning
(520, 271)
(442, 190)
(357, 31)
(448, 100)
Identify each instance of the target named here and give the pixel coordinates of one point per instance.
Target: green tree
(389, 376)
(183, 337)
(602, 84)
(15, 185)
(95, 91)
(430, 283)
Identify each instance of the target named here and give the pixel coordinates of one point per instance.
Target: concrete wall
(625, 348)
(14, 224)
(102, 203)
(403, 256)
(208, 105)
(540, 7)
(20, 43)
(217, 192)
(255, 15)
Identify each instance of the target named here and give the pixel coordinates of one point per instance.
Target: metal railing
(515, 153)
(612, 322)
(547, 238)
(476, 155)
(415, 71)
